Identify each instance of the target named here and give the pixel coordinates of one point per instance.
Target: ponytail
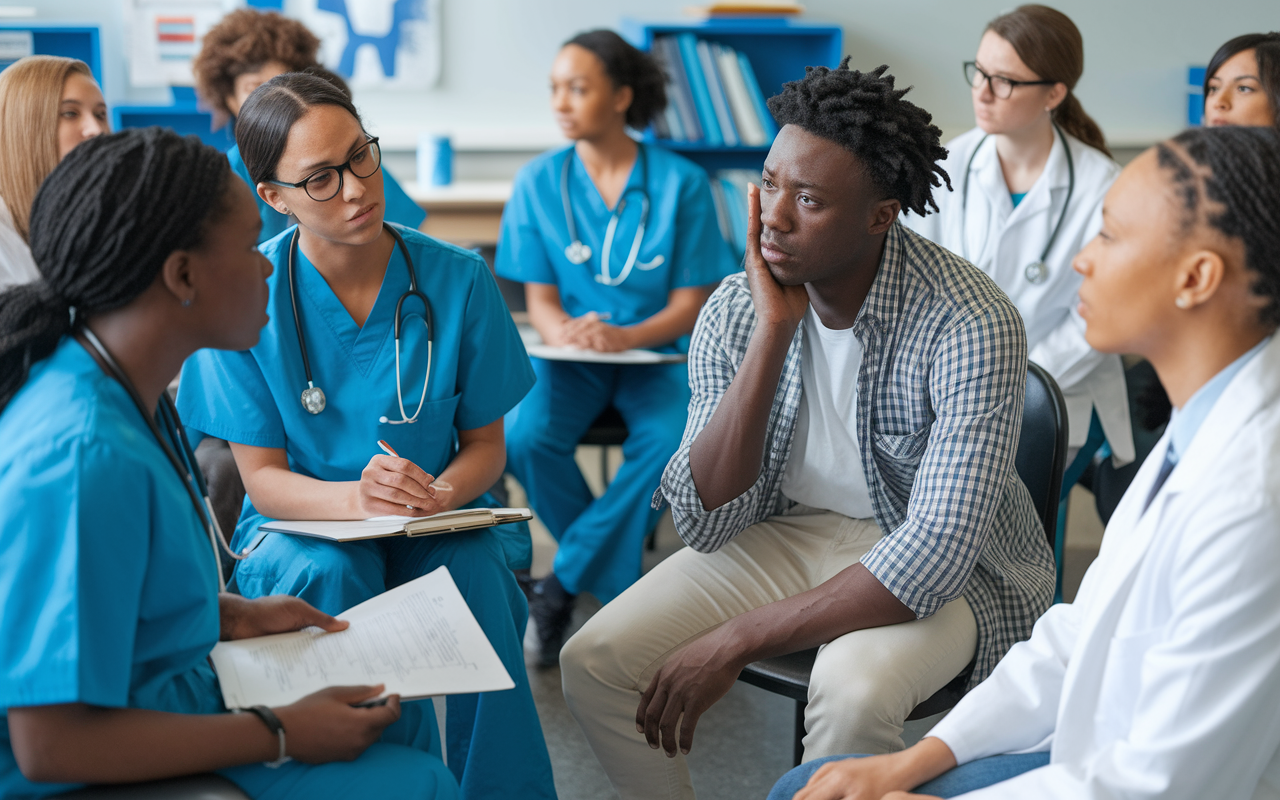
(1071, 117)
(1049, 43)
(102, 225)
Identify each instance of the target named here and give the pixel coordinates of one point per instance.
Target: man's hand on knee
(689, 683)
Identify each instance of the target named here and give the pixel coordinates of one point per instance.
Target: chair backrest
(1042, 447)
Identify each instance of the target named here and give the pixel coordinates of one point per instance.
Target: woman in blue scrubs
(246, 49)
(596, 279)
(109, 589)
(340, 290)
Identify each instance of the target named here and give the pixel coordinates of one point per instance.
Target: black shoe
(551, 609)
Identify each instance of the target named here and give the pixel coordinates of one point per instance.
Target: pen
(436, 485)
(388, 449)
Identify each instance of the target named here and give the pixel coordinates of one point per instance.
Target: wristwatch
(274, 725)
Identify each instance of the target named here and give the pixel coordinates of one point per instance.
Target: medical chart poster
(390, 44)
(165, 35)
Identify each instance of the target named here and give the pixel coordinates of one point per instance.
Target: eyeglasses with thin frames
(326, 182)
(1002, 88)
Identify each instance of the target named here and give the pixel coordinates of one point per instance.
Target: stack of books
(713, 96)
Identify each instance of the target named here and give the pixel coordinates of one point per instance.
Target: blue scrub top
(108, 586)
(400, 208)
(479, 368)
(681, 228)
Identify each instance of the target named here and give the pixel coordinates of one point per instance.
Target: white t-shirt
(16, 264)
(825, 467)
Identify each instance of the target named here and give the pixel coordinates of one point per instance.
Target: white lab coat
(1162, 680)
(1002, 241)
(16, 264)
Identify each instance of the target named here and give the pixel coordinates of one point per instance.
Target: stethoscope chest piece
(577, 252)
(1037, 273)
(313, 399)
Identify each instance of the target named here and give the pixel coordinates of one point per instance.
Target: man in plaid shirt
(847, 473)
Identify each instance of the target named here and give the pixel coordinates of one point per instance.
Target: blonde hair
(30, 96)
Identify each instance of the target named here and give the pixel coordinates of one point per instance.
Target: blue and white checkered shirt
(940, 395)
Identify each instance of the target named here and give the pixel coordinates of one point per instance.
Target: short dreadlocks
(895, 140)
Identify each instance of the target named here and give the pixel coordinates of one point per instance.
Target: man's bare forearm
(726, 457)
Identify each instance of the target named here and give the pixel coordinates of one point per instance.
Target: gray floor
(743, 743)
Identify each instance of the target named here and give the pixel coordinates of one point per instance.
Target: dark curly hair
(895, 140)
(627, 66)
(1243, 180)
(243, 41)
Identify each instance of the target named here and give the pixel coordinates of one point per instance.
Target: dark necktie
(1165, 469)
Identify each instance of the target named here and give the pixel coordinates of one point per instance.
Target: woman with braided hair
(1162, 678)
(109, 594)
(378, 333)
(1029, 182)
(48, 105)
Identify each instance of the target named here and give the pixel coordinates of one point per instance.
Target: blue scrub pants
(966, 778)
(384, 770)
(495, 742)
(601, 539)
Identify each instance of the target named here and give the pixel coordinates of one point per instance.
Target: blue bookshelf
(70, 41)
(778, 48)
(182, 116)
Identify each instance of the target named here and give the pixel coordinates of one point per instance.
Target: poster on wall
(392, 44)
(164, 35)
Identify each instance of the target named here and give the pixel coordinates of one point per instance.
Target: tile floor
(744, 742)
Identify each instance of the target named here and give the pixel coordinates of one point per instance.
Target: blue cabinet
(183, 116)
(69, 41)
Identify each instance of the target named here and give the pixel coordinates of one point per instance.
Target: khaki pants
(864, 684)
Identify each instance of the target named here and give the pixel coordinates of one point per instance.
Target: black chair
(1041, 460)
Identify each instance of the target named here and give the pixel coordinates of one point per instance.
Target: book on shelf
(715, 87)
(712, 93)
(729, 193)
(745, 8)
(701, 94)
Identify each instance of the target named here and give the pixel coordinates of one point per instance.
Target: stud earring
(1182, 301)
(186, 303)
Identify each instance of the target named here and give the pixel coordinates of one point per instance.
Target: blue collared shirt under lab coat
(681, 228)
(479, 369)
(1185, 421)
(400, 209)
(108, 586)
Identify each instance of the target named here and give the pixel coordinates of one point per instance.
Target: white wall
(492, 93)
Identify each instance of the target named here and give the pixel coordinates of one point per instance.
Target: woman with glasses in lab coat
(1028, 186)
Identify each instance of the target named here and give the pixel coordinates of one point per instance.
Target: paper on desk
(420, 639)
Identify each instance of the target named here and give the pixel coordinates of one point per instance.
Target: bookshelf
(70, 41)
(778, 48)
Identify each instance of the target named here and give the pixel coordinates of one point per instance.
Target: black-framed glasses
(326, 182)
(1000, 87)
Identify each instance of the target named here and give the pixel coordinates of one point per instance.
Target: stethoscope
(192, 478)
(579, 253)
(1036, 272)
(313, 399)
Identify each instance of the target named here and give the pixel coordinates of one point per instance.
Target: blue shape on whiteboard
(402, 11)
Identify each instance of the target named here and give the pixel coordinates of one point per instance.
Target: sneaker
(551, 609)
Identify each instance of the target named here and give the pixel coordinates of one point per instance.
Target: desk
(467, 213)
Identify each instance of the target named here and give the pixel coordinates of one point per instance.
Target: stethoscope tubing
(187, 468)
(428, 319)
(1062, 215)
(579, 253)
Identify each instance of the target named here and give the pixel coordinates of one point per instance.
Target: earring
(186, 303)
(1182, 301)
(287, 212)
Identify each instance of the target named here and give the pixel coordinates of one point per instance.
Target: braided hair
(896, 142)
(1237, 169)
(627, 66)
(102, 225)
